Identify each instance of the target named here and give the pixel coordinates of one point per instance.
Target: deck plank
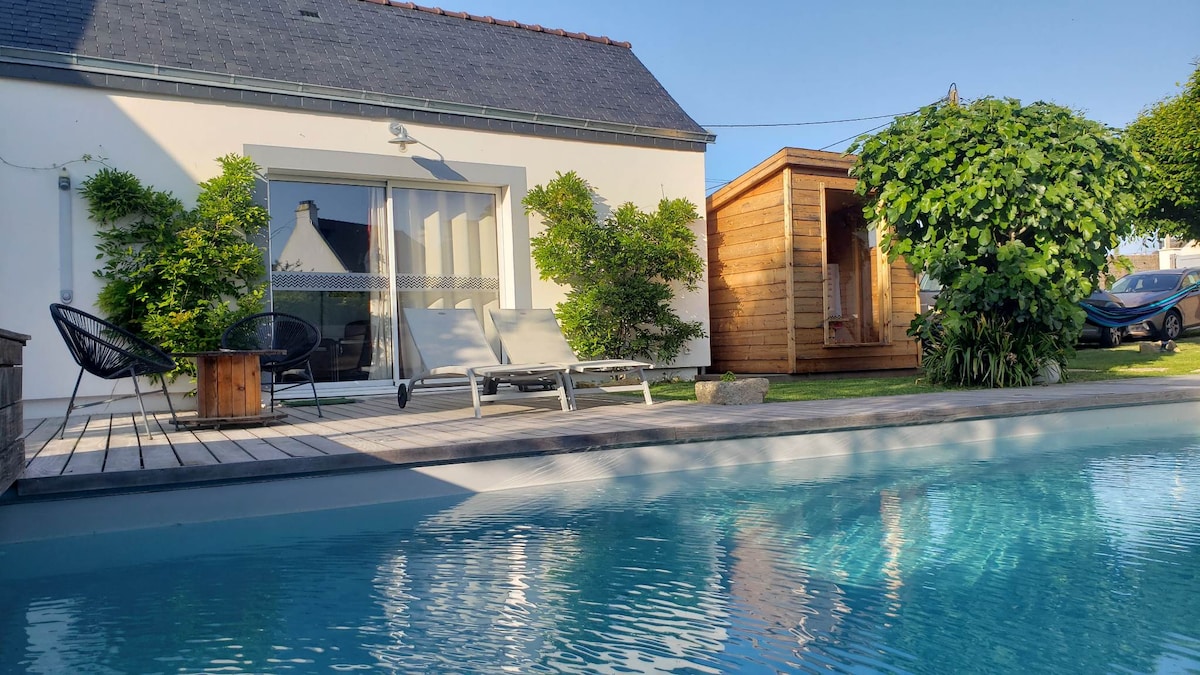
(124, 451)
(310, 412)
(343, 431)
(52, 458)
(225, 450)
(157, 452)
(88, 456)
(37, 433)
(253, 445)
(190, 450)
(328, 445)
(294, 446)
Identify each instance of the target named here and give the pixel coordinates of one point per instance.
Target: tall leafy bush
(174, 275)
(1168, 136)
(620, 270)
(1016, 210)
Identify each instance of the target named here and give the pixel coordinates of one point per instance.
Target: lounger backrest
(449, 337)
(532, 335)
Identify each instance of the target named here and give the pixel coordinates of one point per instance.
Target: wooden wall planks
(12, 445)
(766, 281)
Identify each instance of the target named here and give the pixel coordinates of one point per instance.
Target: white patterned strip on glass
(411, 282)
(329, 281)
(351, 281)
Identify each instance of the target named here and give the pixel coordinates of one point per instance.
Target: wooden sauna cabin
(797, 282)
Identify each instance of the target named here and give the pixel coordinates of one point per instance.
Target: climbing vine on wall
(174, 275)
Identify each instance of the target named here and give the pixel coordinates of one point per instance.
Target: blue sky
(800, 60)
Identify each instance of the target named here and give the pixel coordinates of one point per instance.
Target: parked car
(1107, 337)
(1143, 288)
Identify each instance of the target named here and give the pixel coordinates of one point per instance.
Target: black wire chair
(276, 330)
(111, 353)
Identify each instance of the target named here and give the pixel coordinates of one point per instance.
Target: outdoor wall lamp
(402, 139)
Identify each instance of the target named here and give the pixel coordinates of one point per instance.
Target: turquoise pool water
(1081, 560)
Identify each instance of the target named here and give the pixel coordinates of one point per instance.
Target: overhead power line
(850, 138)
(805, 124)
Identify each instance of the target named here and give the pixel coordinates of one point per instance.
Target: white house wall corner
(172, 143)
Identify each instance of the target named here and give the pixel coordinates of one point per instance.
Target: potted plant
(729, 390)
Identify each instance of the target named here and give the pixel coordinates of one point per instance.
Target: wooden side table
(229, 388)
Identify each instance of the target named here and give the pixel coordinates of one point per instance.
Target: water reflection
(1078, 561)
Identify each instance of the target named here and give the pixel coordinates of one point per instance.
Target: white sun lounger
(526, 333)
(451, 343)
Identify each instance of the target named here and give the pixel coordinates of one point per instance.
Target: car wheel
(1110, 337)
(1172, 326)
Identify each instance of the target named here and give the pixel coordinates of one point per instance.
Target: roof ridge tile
(500, 22)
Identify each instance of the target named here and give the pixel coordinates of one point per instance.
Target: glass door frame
(504, 246)
(505, 264)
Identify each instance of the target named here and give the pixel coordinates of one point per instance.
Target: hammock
(1116, 317)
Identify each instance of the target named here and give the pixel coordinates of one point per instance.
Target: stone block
(1158, 347)
(737, 392)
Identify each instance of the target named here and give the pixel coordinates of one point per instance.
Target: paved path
(113, 453)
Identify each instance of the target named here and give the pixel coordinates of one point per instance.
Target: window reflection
(332, 263)
(856, 273)
(329, 266)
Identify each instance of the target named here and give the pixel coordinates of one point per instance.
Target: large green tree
(620, 270)
(1015, 209)
(1167, 135)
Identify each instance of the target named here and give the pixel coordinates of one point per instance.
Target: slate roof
(392, 48)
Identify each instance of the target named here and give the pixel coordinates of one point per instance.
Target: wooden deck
(111, 452)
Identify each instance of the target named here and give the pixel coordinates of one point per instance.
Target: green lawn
(1089, 365)
(812, 389)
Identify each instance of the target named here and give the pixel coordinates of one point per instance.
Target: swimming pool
(1042, 557)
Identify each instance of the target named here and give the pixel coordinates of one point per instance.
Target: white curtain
(381, 304)
(446, 250)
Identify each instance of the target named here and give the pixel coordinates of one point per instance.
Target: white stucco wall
(1187, 255)
(172, 143)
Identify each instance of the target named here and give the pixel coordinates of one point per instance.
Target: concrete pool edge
(924, 410)
(83, 513)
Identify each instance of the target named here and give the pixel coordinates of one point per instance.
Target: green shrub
(620, 270)
(986, 352)
(179, 277)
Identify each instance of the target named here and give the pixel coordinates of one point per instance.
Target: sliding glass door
(329, 265)
(345, 261)
(446, 252)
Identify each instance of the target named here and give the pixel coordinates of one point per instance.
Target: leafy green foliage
(1168, 137)
(178, 277)
(620, 270)
(1128, 360)
(1015, 210)
(989, 353)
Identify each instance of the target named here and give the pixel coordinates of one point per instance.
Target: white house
(396, 144)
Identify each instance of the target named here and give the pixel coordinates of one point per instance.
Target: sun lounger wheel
(402, 395)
